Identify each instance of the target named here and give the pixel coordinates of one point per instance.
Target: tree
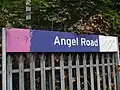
(12, 12)
(81, 16)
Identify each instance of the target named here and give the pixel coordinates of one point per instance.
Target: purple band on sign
(50, 41)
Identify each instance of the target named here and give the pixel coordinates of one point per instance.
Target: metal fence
(61, 71)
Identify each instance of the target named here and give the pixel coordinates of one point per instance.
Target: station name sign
(50, 41)
(19, 40)
(75, 42)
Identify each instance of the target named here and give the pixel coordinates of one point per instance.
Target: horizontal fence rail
(61, 71)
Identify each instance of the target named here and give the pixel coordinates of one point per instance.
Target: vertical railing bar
(78, 72)
(50, 75)
(109, 71)
(9, 72)
(50, 83)
(91, 72)
(114, 73)
(21, 73)
(42, 74)
(53, 72)
(31, 81)
(70, 72)
(98, 73)
(103, 73)
(85, 72)
(32, 72)
(62, 72)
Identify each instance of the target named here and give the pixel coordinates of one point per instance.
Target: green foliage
(69, 15)
(12, 12)
(63, 12)
(81, 16)
(113, 17)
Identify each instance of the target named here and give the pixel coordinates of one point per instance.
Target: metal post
(118, 62)
(28, 9)
(3, 59)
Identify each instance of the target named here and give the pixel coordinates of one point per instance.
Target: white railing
(61, 71)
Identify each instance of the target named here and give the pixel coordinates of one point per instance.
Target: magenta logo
(18, 40)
